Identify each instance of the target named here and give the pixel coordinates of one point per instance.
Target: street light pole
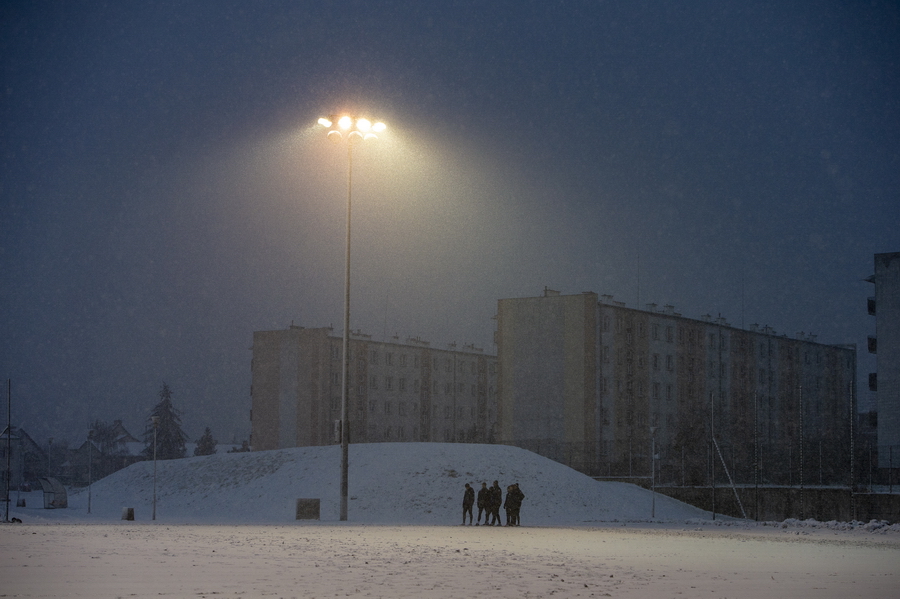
(356, 129)
(90, 465)
(653, 470)
(155, 429)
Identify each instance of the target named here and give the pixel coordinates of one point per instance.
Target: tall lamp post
(155, 420)
(653, 470)
(90, 465)
(354, 129)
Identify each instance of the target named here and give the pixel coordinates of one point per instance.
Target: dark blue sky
(164, 193)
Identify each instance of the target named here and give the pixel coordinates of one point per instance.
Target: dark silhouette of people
(496, 502)
(468, 502)
(513, 504)
(484, 504)
(508, 505)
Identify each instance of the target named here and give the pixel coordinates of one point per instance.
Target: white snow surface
(390, 483)
(226, 528)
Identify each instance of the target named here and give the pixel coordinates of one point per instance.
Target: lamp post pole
(653, 471)
(355, 130)
(90, 465)
(155, 429)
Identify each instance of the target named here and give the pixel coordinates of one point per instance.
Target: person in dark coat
(468, 502)
(496, 502)
(514, 497)
(484, 504)
(508, 505)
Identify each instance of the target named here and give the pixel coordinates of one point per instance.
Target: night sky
(165, 191)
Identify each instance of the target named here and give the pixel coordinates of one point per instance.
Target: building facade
(885, 307)
(398, 390)
(594, 384)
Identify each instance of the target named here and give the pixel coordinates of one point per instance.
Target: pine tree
(169, 436)
(206, 445)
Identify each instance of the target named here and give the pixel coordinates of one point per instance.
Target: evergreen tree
(206, 445)
(169, 436)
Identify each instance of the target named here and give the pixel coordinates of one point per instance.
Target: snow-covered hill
(396, 483)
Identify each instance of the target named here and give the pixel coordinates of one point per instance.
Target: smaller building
(885, 344)
(27, 461)
(399, 390)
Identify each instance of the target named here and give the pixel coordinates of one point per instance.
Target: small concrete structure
(127, 513)
(308, 509)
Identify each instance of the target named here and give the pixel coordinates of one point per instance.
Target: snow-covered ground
(225, 527)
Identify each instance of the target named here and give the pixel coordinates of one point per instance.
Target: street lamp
(90, 465)
(354, 129)
(155, 420)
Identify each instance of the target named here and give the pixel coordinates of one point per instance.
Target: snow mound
(389, 483)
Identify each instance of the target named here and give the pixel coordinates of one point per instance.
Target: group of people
(490, 500)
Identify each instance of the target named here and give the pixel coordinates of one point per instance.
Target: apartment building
(399, 390)
(885, 383)
(594, 384)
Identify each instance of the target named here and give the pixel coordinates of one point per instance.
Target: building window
(335, 352)
(448, 412)
(712, 341)
(387, 434)
(606, 354)
(654, 332)
(401, 408)
(335, 378)
(474, 390)
(668, 392)
(402, 359)
(402, 383)
(655, 390)
(373, 382)
(389, 383)
(374, 357)
(605, 325)
(448, 389)
(655, 361)
(387, 407)
(670, 362)
(389, 359)
(372, 406)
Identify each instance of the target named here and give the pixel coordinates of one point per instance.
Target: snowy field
(225, 528)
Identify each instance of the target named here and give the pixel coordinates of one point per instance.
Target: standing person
(508, 506)
(514, 498)
(468, 502)
(496, 502)
(484, 503)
